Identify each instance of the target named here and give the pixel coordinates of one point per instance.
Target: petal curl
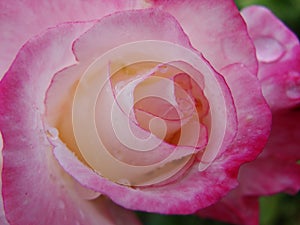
(20, 20)
(148, 24)
(278, 53)
(33, 182)
(218, 31)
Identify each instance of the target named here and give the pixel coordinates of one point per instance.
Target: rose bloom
(163, 106)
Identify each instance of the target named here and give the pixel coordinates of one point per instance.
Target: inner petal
(100, 90)
(149, 111)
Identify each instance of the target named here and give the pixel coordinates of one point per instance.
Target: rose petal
(33, 183)
(270, 176)
(253, 123)
(234, 208)
(284, 140)
(20, 20)
(237, 207)
(217, 30)
(276, 169)
(278, 53)
(254, 127)
(191, 193)
(148, 24)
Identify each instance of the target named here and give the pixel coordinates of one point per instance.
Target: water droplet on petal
(124, 181)
(268, 49)
(52, 133)
(293, 88)
(203, 166)
(293, 92)
(163, 68)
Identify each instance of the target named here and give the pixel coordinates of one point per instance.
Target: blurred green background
(280, 209)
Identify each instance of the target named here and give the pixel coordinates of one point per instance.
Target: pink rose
(161, 106)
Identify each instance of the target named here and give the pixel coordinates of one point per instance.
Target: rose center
(139, 117)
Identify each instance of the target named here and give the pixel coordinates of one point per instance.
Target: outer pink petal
(35, 189)
(131, 26)
(196, 189)
(278, 52)
(234, 208)
(215, 28)
(284, 141)
(276, 169)
(20, 20)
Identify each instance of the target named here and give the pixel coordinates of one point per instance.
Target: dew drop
(203, 166)
(119, 86)
(124, 181)
(293, 89)
(293, 92)
(52, 133)
(249, 117)
(163, 68)
(268, 49)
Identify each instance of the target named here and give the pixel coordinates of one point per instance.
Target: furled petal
(35, 189)
(197, 189)
(20, 20)
(149, 24)
(118, 135)
(278, 53)
(217, 30)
